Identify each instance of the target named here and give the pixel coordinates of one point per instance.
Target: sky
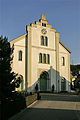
(64, 15)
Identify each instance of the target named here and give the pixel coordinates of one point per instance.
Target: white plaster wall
(38, 48)
(19, 66)
(35, 66)
(63, 69)
(36, 39)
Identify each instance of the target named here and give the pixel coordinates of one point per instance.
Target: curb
(32, 104)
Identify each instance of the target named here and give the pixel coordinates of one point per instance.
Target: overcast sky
(64, 15)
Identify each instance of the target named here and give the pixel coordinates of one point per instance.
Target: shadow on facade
(51, 81)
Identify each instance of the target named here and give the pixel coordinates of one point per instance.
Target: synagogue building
(41, 59)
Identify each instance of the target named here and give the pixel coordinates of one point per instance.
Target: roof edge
(64, 46)
(12, 41)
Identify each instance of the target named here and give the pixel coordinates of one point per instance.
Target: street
(53, 107)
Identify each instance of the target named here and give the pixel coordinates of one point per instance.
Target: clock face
(44, 31)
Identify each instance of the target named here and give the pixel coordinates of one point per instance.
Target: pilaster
(57, 60)
(69, 82)
(29, 56)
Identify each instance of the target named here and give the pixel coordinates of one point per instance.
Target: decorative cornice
(44, 48)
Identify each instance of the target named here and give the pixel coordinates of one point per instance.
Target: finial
(43, 17)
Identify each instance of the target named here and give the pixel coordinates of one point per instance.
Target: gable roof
(64, 46)
(17, 39)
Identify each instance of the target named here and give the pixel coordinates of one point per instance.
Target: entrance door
(43, 84)
(63, 84)
(43, 81)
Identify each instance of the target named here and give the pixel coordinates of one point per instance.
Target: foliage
(75, 68)
(77, 83)
(11, 102)
(8, 80)
(13, 105)
(75, 72)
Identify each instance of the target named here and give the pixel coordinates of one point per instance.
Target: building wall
(19, 66)
(30, 68)
(64, 70)
(36, 48)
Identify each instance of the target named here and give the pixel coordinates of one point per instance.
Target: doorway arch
(19, 83)
(44, 77)
(63, 84)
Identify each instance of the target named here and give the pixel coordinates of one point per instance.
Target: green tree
(8, 80)
(75, 68)
(77, 83)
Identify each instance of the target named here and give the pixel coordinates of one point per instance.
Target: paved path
(53, 107)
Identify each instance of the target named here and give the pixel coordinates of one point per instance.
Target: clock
(44, 31)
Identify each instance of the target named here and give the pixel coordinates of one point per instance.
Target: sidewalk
(52, 109)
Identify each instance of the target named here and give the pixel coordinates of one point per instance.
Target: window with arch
(43, 24)
(48, 58)
(42, 40)
(44, 58)
(63, 61)
(20, 82)
(20, 55)
(46, 41)
(40, 58)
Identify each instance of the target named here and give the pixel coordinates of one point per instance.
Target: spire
(43, 17)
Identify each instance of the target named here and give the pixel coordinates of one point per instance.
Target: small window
(46, 41)
(42, 40)
(48, 58)
(40, 58)
(44, 58)
(63, 61)
(20, 56)
(43, 24)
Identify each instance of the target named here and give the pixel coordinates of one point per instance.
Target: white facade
(30, 66)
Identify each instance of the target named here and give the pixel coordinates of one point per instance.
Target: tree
(77, 83)
(75, 68)
(8, 80)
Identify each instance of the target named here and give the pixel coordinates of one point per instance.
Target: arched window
(19, 83)
(44, 58)
(63, 84)
(40, 58)
(20, 56)
(43, 24)
(46, 41)
(63, 61)
(48, 58)
(42, 40)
